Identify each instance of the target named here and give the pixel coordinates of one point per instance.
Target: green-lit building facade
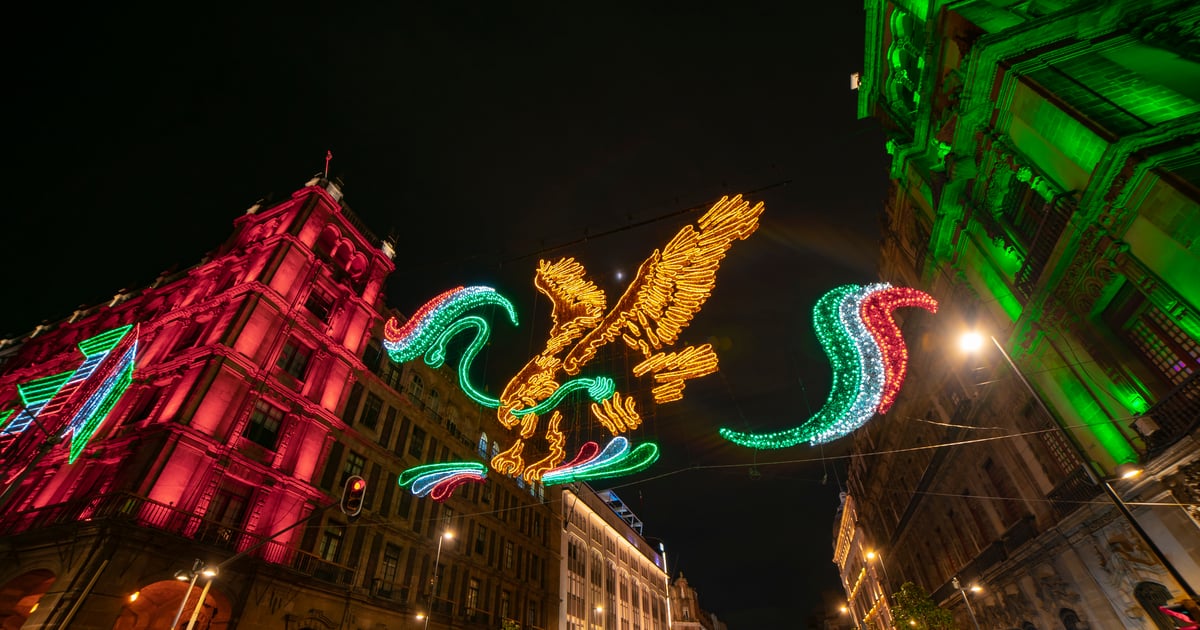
(1045, 188)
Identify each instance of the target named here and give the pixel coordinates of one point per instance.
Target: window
(392, 374)
(352, 401)
(435, 401)
(294, 358)
(354, 466)
(416, 388)
(371, 357)
(483, 444)
(370, 413)
(1151, 595)
(331, 542)
(417, 446)
(481, 540)
(391, 563)
(508, 555)
(531, 617)
(406, 499)
(320, 304)
(263, 428)
(472, 595)
(1162, 345)
(505, 601)
(389, 425)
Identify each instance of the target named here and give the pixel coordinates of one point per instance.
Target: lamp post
(966, 601)
(872, 555)
(433, 580)
(973, 341)
(183, 576)
(210, 573)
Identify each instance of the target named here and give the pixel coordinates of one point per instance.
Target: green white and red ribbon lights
(88, 393)
(868, 356)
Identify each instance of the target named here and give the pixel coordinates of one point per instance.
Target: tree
(915, 608)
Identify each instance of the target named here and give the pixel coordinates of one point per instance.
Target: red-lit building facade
(259, 388)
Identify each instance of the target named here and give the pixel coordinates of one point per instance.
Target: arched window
(416, 388)
(495, 449)
(483, 442)
(1151, 595)
(1025, 625)
(435, 400)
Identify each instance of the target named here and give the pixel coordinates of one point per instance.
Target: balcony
(1177, 415)
(127, 510)
(1072, 493)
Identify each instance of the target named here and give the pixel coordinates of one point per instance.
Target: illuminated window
(263, 428)
(483, 445)
(508, 555)
(294, 358)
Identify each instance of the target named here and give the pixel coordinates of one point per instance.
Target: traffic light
(352, 495)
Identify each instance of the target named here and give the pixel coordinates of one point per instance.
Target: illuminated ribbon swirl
(437, 322)
(868, 358)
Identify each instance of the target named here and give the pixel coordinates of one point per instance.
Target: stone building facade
(259, 389)
(1045, 189)
(611, 578)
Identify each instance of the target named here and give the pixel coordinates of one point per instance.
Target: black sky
(480, 135)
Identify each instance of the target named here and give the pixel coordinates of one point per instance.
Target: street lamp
(872, 555)
(957, 585)
(190, 577)
(973, 341)
(433, 579)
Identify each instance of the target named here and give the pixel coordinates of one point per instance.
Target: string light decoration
(616, 460)
(87, 394)
(867, 354)
(439, 480)
(669, 288)
(877, 313)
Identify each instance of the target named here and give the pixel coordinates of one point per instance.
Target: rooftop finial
(328, 156)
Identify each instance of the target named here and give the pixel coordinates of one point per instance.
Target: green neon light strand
(104, 341)
(843, 359)
(436, 356)
(81, 437)
(600, 388)
(631, 462)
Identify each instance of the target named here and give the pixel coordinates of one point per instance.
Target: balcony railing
(1074, 491)
(128, 510)
(1176, 415)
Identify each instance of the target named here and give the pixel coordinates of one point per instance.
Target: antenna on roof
(328, 156)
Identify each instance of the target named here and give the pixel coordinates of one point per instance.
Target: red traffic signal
(352, 495)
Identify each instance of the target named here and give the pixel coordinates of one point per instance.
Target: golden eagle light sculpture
(667, 291)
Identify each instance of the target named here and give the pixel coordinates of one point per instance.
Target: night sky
(484, 137)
